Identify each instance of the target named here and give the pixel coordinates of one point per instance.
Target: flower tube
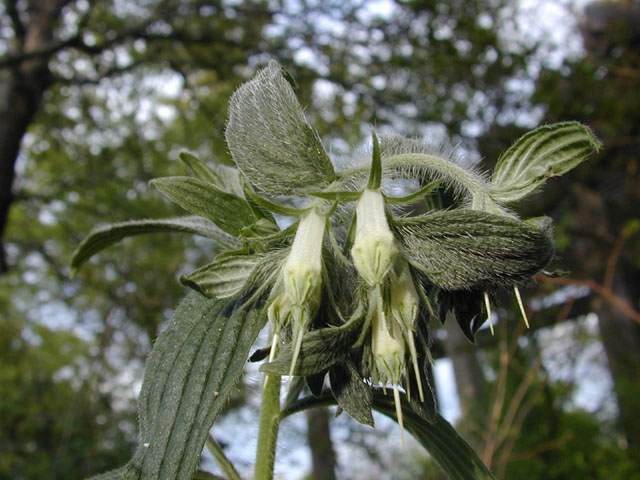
(374, 248)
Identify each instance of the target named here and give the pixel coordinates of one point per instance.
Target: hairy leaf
(204, 475)
(222, 176)
(351, 393)
(200, 169)
(189, 376)
(545, 152)
(225, 277)
(375, 175)
(232, 181)
(417, 195)
(103, 237)
(439, 438)
(320, 349)
(229, 212)
(267, 206)
(467, 249)
(270, 140)
(110, 475)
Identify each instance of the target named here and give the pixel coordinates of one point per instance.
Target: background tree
(49, 44)
(599, 214)
(107, 91)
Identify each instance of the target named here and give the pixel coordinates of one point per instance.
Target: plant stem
(269, 423)
(223, 462)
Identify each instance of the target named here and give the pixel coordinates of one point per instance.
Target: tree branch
(14, 15)
(613, 299)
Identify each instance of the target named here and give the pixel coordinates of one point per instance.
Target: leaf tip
(375, 177)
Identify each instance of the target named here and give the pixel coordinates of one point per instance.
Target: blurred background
(99, 96)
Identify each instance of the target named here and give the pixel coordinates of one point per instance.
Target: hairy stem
(269, 423)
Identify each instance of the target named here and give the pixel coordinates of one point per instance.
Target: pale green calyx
(404, 299)
(388, 349)
(374, 248)
(404, 305)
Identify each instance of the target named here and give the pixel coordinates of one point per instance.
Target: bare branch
(14, 15)
(613, 299)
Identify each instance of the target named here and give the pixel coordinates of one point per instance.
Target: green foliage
(103, 237)
(227, 211)
(542, 153)
(270, 140)
(577, 446)
(467, 249)
(225, 277)
(189, 377)
(52, 423)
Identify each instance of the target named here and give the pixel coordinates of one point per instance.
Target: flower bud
(374, 248)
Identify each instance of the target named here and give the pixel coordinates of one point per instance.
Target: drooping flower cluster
(350, 287)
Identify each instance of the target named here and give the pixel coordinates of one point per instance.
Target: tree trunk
(620, 335)
(323, 458)
(20, 98)
(22, 87)
(621, 339)
(470, 381)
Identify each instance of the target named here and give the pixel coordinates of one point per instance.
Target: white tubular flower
(374, 248)
(302, 274)
(301, 278)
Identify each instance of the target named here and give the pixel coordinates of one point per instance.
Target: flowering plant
(348, 289)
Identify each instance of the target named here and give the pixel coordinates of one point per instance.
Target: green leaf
(103, 237)
(115, 474)
(226, 178)
(226, 210)
(225, 277)
(545, 152)
(351, 393)
(270, 140)
(190, 374)
(204, 475)
(221, 459)
(320, 349)
(232, 180)
(468, 249)
(375, 175)
(417, 195)
(439, 438)
(200, 169)
(411, 159)
(272, 207)
(341, 196)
